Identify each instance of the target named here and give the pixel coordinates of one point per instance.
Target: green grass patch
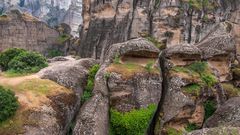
(12, 73)
(134, 122)
(231, 90)
(87, 93)
(199, 69)
(193, 89)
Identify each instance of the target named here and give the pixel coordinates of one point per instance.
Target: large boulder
(227, 114)
(217, 131)
(111, 86)
(68, 72)
(45, 107)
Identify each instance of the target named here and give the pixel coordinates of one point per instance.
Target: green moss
(202, 70)
(191, 127)
(192, 89)
(134, 122)
(209, 108)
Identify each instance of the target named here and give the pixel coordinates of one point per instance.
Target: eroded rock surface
(25, 31)
(94, 115)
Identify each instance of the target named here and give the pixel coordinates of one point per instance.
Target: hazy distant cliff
(51, 11)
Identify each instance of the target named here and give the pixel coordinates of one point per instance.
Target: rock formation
(108, 22)
(24, 31)
(53, 12)
(119, 89)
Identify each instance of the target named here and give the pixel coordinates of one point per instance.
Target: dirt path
(15, 80)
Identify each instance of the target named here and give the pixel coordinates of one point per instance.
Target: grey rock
(217, 131)
(71, 74)
(19, 30)
(227, 114)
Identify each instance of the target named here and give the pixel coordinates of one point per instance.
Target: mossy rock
(236, 73)
(231, 90)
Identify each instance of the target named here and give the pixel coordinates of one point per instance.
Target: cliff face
(53, 12)
(24, 31)
(171, 22)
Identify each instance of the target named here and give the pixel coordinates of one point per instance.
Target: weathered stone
(217, 131)
(227, 114)
(25, 31)
(71, 74)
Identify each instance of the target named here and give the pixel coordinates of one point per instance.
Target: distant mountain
(52, 12)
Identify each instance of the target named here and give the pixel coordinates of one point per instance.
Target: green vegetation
(172, 131)
(27, 62)
(116, 59)
(210, 108)
(134, 122)
(199, 69)
(16, 61)
(107, 75)
(8, 55)
(231, 90)
(149, 66)
(192, 89)
(8, 104)
(191, 127)
(63, 38)
(90, 83)
(54, 53)
(236, 72)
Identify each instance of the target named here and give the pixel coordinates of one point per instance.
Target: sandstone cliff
(170, 22)
(24, 31)
(53, 12)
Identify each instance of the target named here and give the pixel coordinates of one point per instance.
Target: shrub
(8, 104)
(190, 127)
(208, 79)
(134, 122)
(116, 59)
(199, 67)
(90, 83)
(54, 53)
(8, 55)
(27, 62)
(149, 66)
(210, 108)
(63, 38)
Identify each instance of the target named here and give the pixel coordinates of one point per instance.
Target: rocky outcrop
(53, 12)
(113, 90)
(226, 115)
(24, 31)
(44, 107)
(186, 91)
(68, 72)
(170, 22)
